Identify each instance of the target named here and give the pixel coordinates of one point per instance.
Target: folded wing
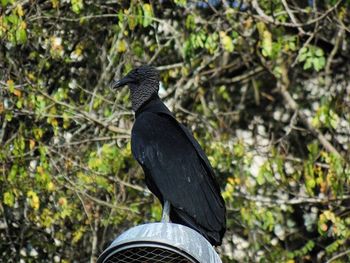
(177, 169)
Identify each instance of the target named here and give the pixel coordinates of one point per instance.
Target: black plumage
(175, 166)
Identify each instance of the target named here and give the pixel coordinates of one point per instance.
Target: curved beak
(122, 82)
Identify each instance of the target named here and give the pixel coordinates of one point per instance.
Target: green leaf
(307, 64)
(77, 6)
(4, 3)
(226, 42)
(13, 173)
(190, 22)
(21, 36)
(11, 85)
(319, 52)
(260, 179)
(333, 119)
(13, 19)
(121, 17)
(313, 150)
(8, 116)
(180, 2)
(19, 104)
(310, 184)
(9, 199)
(132, 19)
(303, 57)
(303, 50)
(322, 62)
(148, 15)
(267, 43)
(121, 46)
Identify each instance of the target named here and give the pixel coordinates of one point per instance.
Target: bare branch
(272, 200)
(342, 254)
(292, 17)
(334, 50)
(87, 115)
(269, 19)
(293, 105)
(283, 85)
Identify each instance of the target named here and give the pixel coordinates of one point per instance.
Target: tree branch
(293, 105)
(338, 256)
(269, 19)
(87, 115)
(283, 85)
(272, 200)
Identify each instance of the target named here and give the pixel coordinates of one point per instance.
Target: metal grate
(160, 242)
(148, 255)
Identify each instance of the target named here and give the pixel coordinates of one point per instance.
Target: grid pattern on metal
(147, 254)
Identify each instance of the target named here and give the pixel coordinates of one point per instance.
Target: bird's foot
(166, 212)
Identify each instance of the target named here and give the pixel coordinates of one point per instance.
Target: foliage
(263, 85)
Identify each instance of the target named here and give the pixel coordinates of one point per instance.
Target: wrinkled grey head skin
(143, 83)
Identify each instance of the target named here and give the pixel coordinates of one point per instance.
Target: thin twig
(294, 201)
(87, 115)
(292, 17)
(72, 186)
(96, 139)
(283, 85)
(342, 254)
(171, 66)
(106, 72)
(269, 19)
(323, 140)
(244, 76)
(334, 51)
(115, 179)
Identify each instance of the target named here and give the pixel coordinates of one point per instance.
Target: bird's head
(143, 83)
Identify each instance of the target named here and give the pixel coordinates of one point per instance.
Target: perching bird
(175, 166)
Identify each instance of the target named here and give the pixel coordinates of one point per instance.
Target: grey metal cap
(174, 238)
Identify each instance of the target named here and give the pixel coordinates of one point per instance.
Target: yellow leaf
(17, 92)
(226, 41)
(54, 122)
(78, 234)
(265, 38)
(38, 133)
(329, 215)
(11, 85)
(50, 186)
(40, 170)
(9, 199)
(31, 76)
(121, 46)
(55, 3)
(248, 23)
(147, 8)
(23, 25)
(33, 199)
(31, 144)
(267, 43)
(147, 15)
(47, 218)
(20, 11)
(231, 180)
(62, 201)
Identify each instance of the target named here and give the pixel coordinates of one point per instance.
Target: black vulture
(175, 166)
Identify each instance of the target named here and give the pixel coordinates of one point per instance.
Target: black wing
(175, 170)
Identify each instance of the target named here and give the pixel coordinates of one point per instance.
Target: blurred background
(262, 84)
